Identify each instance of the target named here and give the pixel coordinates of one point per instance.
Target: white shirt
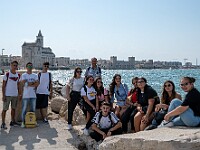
(29, 92)
(105, 121)
(11, 85)
(43, 87)
(91, 93)
(76, 84)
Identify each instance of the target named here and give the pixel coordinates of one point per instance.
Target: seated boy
(105, 123)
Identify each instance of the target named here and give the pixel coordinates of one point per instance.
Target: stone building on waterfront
(113, 63)
(36, 53)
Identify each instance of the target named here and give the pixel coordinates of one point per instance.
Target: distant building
(4, 60)
(36, 53)
(62, 61)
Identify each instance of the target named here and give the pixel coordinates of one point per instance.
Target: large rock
(176, 138)
(63, 109)
(78, 116)
(56, 103)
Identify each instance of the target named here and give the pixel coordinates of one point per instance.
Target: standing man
(44, 91)
(10, 93)
(29, 83)
(93, 70)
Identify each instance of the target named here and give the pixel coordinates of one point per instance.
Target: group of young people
(28, 88)
(108, 111)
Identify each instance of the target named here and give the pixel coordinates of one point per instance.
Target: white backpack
(64, 88)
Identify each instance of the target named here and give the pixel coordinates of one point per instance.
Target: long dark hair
(113, 83)
(135, 88)
(87, 78)
(75, 70)
(165, 98)
(98, 90)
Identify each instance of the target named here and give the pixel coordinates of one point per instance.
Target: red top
(133, 97)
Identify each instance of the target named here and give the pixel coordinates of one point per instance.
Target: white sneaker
(166, 124)
(85, 131)
(69, 127)
(23, 125)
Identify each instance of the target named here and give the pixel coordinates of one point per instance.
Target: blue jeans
(187, 118)
(32, 104)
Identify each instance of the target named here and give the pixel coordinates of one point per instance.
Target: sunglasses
(99, 82)
(167, 85)
(29, 66)
(140, 81)
(47, 66)
(184, 84)
(78, 71)
(15, 65)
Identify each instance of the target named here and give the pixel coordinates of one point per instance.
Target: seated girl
(168, 94)
(147, 99)
(186, 113)
(118, 92)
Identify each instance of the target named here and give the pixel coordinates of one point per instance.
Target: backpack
(39, 75)
(30, 120)
(64, 89)
(97, 67)
(7, 76)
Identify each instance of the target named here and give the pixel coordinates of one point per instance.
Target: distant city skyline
(158, 30)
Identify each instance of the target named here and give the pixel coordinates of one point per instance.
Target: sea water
(155, 77)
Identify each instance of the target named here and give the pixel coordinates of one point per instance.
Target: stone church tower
(36, 53)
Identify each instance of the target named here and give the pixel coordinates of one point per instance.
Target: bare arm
(3, 90)
(88, 101)
(179, 110)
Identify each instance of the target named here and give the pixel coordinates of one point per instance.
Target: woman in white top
(74, 86)
(90, 102)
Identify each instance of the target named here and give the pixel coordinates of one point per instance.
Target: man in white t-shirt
(44, 91)
(10, 93)
(29, 82)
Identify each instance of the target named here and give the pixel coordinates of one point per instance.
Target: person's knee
(176, 101)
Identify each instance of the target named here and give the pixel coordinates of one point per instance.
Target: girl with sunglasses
(186, 113)
(73, 92)
(147, 99)
(167, 95)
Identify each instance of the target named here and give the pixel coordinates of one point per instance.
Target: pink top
(102, 96)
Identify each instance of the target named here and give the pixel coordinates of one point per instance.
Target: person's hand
(145, 119)
(104, 135)
(97, 108)
(158, 107)
(68, 98)
(109, 133)
(94, 108)
(167, 117)
(19, 97)
(50, 96)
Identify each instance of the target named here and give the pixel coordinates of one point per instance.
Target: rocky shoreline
(54, 135)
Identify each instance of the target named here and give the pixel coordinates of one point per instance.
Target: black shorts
(42, 101)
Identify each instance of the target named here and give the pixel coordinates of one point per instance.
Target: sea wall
(176, 138)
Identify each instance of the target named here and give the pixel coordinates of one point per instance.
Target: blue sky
(146, 29)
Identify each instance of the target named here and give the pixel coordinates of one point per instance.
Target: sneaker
(150, 127)
(3, 126)
(166, 124)
(13, 123)
(69, 127)
(86, 132)
(23, 125)
(46, 121)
